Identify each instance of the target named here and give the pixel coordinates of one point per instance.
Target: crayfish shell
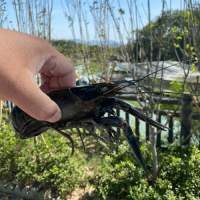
(25, 126)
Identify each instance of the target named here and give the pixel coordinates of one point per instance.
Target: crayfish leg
(120, 123)
(67, 136)
(101, 130)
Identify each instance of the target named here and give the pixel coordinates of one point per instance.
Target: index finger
(60, 67)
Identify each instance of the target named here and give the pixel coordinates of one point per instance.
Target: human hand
(22, 57)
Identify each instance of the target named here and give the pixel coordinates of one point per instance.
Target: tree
(167, 21)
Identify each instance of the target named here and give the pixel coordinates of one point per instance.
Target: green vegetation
(170, 23)
(118, 173)
(22, 161)
(178, 175)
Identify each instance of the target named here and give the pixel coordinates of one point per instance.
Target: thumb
(29, 97)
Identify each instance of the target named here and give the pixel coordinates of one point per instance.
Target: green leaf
(185, 13)
(179, 38)
(176, 45)
(193, 69)
(187, 46)
(156, 80)
(152, 25)
(175, 27)
(192, 15)
(121, 11)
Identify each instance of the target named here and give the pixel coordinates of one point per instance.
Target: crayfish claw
(113, 134)
(134, 145)
(120, 123)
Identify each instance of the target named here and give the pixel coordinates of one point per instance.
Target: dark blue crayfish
(84, 107)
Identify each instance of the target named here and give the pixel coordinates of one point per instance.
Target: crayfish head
(25, 126)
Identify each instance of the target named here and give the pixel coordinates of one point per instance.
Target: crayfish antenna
(135, 81)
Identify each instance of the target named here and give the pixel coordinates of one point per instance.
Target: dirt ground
(86, 195)
(81, 194)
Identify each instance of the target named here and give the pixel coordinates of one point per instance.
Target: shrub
(121, 176)
(21, 161)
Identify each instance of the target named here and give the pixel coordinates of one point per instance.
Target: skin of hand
(22, 57)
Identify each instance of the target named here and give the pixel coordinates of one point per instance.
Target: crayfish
(84, 107)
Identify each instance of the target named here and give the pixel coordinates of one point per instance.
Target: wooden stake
(197, 106)
(193, 97)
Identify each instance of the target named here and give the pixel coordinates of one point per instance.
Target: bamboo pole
(113, 68)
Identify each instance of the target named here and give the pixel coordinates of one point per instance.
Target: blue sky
(60, 23)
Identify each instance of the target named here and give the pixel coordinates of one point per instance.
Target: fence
(186, 116)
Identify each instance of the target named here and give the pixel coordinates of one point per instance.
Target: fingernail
(56, 117)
